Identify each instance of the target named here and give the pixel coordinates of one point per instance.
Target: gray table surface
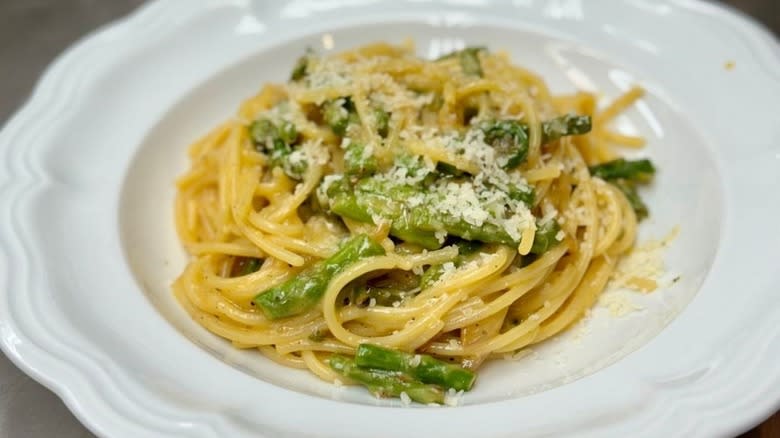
(32, 33)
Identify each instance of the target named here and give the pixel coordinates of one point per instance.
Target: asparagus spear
(563, 126)
(465, 249)
(510, 137)
(372, 199)
(384, 383)
(359, 161)
(276, 142)
(639, 171)
(625, 175)
(244, 266)
(629, 190)
(384, 290)
(302, 292)
(417, 225)
(382, 122)
(419, 366)
(545, 236)
(301, 68)
(338, 114)
(469, 60)
(526, 195)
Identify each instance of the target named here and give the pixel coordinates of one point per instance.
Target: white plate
(88, 247)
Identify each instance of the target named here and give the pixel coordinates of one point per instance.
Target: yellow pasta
(487, 230)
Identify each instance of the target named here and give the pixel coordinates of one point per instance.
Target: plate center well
(682, 195)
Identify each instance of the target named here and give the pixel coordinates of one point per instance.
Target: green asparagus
(385, 290)
(300, 70)
(382, 120)
(244, 266)
(358, 160)
(626, 175)
(419, 366)
(382, 296)
(372, 198)
(510, 137)
(384, 383)
(302, 292)
(277, 143)
(448, 169)
(433, 273)
(629, 190)
(526, 195)
(339, 114)
(545, 236)
(469, 60)
(564, 126)
(638, 171)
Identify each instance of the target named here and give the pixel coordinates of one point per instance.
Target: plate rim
(44, 368)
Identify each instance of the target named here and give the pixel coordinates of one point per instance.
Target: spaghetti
(392, 221)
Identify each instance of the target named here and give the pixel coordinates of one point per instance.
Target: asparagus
(545, 236)
(371, 199)
(394, 286)
(288, 132)
(302, 292)
(469, 60)
(465, 249)
(276, 142)
(338, 114)
(448, 169)
(384, 383)
(412, 225)
(358, 161)
(382, 296)
(430, 276)
(382, 122)
(629, 190)
(301, 68)
(421, 366)
(510, 137)
(625, 175)
(633, 170)
(563, 126)
(526, 195)
(244, 266)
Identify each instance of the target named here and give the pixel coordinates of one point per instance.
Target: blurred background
(32, 33)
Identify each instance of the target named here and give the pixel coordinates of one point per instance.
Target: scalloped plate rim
(71, 395)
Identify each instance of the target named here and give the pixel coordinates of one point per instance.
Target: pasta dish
(394, 222)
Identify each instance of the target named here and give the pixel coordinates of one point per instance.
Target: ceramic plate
(89, 249)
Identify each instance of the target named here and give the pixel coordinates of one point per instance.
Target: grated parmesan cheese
(637, 271)
(643, 266)
(618, 303)
(452, 398)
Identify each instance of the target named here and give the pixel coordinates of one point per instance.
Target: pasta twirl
(391, 221)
